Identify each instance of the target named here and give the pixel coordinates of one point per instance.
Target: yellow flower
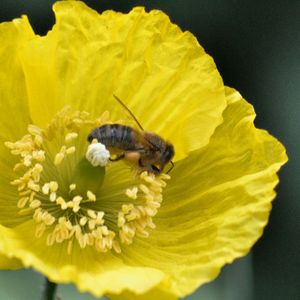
(105, 229)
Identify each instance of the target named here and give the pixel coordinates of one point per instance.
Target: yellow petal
(161, 73)
(216, 204)
(219, 198)
(90, 270)
(7, 263)
(13, 105)
(14, 113)
(155, 293)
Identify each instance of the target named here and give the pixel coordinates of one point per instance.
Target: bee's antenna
(132, 115)
(172, 166)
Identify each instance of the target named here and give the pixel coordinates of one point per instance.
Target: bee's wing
(142, 142)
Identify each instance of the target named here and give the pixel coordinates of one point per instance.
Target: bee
(147, 150)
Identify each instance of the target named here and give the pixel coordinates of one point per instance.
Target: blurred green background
(256, 46)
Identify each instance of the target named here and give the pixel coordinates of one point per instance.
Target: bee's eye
(155, 169)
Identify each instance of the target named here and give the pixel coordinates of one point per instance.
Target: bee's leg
(148, 167)
(140, 163)
(118, 157)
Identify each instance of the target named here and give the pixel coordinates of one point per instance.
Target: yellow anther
(52, 197)
(150, 211)
(34, 130)
(45, 188)
(99, 219)
(58, 158)
(61, 201)
(126, 208)
(49, 220)
(18, 166)
(83, 221)
(70, 137)
(36, 172)
(81, 241)
(38, 155)
(144, 189)
(142, 210)
(27, 160)
(133, 215)
(70, 204)
(22, 202)
(25, 193)
(37, 215)
(76, 203)
(132, 193)
(35, 204)
(104, 230)
(25, 211)
(53, 186)
(63, 149)
(92, 213)
(91, 196)
(77, 199)
(143, 233)
(72, 187)
(149, 197)
(77, 121)
(38, 140)
(16, 182)
(92, 224)
(121, 219)
(71, 150)
(76, 208)
(33, 186)
(9, 145)
(165, 176)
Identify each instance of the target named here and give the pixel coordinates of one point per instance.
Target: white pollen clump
(97, 154)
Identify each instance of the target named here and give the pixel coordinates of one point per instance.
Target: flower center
(62, 192)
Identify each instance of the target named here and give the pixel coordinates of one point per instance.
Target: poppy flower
(114, 230)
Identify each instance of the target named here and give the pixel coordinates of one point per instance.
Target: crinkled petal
(13, 105)
(14, 112)
(219, 199)
(91, 271)
(155, 293)
(161, 73)
(7, 263)
(223, 209)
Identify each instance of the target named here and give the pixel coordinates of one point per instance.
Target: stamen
(46, 164)
(46, 188)
(70, 137)
(132, 193)
(71, 150)
(72, 187)
(59, 158)
(35, 204)
(22, 202)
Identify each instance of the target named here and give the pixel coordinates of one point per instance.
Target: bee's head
(165, 158)
(168, 154)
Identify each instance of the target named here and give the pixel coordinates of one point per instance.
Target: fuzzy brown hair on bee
(147, 150)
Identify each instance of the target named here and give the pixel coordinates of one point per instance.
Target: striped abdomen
(114, 136)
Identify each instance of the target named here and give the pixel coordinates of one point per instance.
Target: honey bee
(147, 150)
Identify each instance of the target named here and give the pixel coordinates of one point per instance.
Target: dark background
(256, 46)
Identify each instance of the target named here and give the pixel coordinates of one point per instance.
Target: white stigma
(97, 154)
